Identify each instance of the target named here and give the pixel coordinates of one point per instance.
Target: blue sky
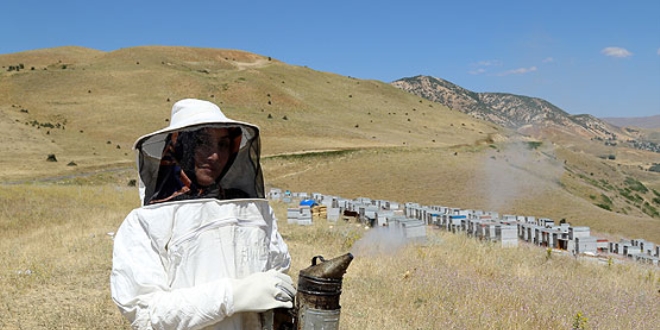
(596, 57)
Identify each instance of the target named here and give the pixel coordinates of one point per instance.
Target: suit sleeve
(280, 259)
(140, 288)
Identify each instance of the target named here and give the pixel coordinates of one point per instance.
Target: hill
(325, 132)
(651, 122)
(533, 116)
(89, 106)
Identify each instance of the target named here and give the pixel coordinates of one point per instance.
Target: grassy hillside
(321, 133)
(87, 107)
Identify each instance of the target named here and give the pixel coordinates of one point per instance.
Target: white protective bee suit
(201, 261)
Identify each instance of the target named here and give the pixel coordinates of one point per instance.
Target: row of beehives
(541, 232)
(374, 213)
(411, 220)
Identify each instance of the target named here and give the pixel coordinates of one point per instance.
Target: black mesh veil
(160, 162)
(245, 172)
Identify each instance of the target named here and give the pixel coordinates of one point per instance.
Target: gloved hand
(263, 291)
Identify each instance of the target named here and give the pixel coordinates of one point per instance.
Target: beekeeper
(203, 250)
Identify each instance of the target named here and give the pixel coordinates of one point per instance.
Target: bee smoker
(317, 301)
(319, 288)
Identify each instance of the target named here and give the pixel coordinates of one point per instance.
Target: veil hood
(243, 173)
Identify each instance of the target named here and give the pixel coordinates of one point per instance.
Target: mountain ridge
(518, 112)
(534, 117)
(649, 122)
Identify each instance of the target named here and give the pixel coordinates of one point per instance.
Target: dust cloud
(379, 241)
(519, 170)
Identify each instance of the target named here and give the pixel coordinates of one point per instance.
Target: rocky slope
(528, 115)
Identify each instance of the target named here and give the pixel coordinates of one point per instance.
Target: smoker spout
(328, 269)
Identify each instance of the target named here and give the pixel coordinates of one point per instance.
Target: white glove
(263, 291)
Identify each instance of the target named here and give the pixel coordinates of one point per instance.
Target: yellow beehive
(320, 211)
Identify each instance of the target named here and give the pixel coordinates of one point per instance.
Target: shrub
(606, 203)
(533, 145)
(635, 185)
(606, 185)
(627, 194)
(650, 210)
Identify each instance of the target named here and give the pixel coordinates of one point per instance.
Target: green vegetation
(606, 203)
(635, 185)
(635, 198)
(655, 168)
(18, 67)
(650, 210)
(36, 123)
(579, 321)
(533, 145)
(313, 155)
(599, 183)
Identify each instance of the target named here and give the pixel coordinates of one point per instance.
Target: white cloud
(616, 52)
(480, 67)
(548, 60)
(477, 71)
(658, 51)
(518, 71)
(489, 63)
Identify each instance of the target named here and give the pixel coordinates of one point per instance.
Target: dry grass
(59, 233)
(55, 255)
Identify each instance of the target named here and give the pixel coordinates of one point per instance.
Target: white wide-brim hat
(189, 113)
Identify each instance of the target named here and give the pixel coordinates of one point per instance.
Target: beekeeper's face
(212, 152)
